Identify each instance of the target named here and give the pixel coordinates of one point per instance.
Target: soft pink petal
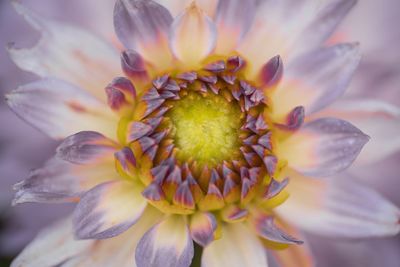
(69, 53)
(378, 119)
(168, 244)
(233, 19)
(59, 109)
(193, 35)
(238, 247)
(143, 25)
(323, 147)
(339, 208)
(178, 6)
(316, 79)
(108, 210)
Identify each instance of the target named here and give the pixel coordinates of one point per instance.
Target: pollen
(206, 128)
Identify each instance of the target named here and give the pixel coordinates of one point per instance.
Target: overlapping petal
(142, 25)
(51, 247)
(168, 244)
(342, 207)
(233, 19)
(108, 210)
(323, 147)
(59, 109)
(193, 35)
(69, 53)
(378, 119)
(316, 79)
(243, 246)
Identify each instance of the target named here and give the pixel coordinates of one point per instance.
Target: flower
(201, 135)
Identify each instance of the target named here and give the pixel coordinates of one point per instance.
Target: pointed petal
(323, 147)
(192, 36)
(168, 244)
(340, 208)
(68, 53)
(59, 109)
(267, 229)
(60, 181)
(202, 227)
(108, 210)
(378, 119)
(176, 7)
(238, 247)
(85, 147)
(316, 79)
(233, 20)
(51, 247)
(143, 25)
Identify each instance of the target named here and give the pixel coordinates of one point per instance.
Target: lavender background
(373, 23)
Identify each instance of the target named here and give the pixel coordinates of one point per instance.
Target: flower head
(203, 131)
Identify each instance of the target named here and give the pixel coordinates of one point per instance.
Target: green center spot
(205, 129)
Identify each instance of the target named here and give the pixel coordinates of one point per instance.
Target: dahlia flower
(209, 150)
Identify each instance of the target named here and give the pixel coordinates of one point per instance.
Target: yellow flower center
(205, 129)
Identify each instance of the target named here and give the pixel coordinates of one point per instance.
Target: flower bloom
(203, 139)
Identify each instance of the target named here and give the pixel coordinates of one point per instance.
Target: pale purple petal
(168, 244)
(323, 147)
(316, 79)
(67, 52)
(108, 210)
(59, 109)
(85, 147)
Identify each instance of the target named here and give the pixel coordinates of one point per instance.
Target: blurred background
(375, 24)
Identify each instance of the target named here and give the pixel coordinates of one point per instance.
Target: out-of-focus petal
(316, 79)
(193, 35)
(168, 244)
(294, 256)
(177, 6)
(323, 147)
(233, 19)
(202, 228)
(59, 109)
(143, 25)
(378, 119)
(323, 24)
(108, 210)
(69, 53)
(339, 208)
(61, 181)
(238, 247)
(51, 247)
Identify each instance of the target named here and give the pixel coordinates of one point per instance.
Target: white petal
(167, 244)
(51, 247)
(60, 109)
(339, 208)
(233, 20)
(108, 210)
(193, 36)
(316, 79)
(378, 119)
(69, 53)
(323, 147)
(238, 247)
